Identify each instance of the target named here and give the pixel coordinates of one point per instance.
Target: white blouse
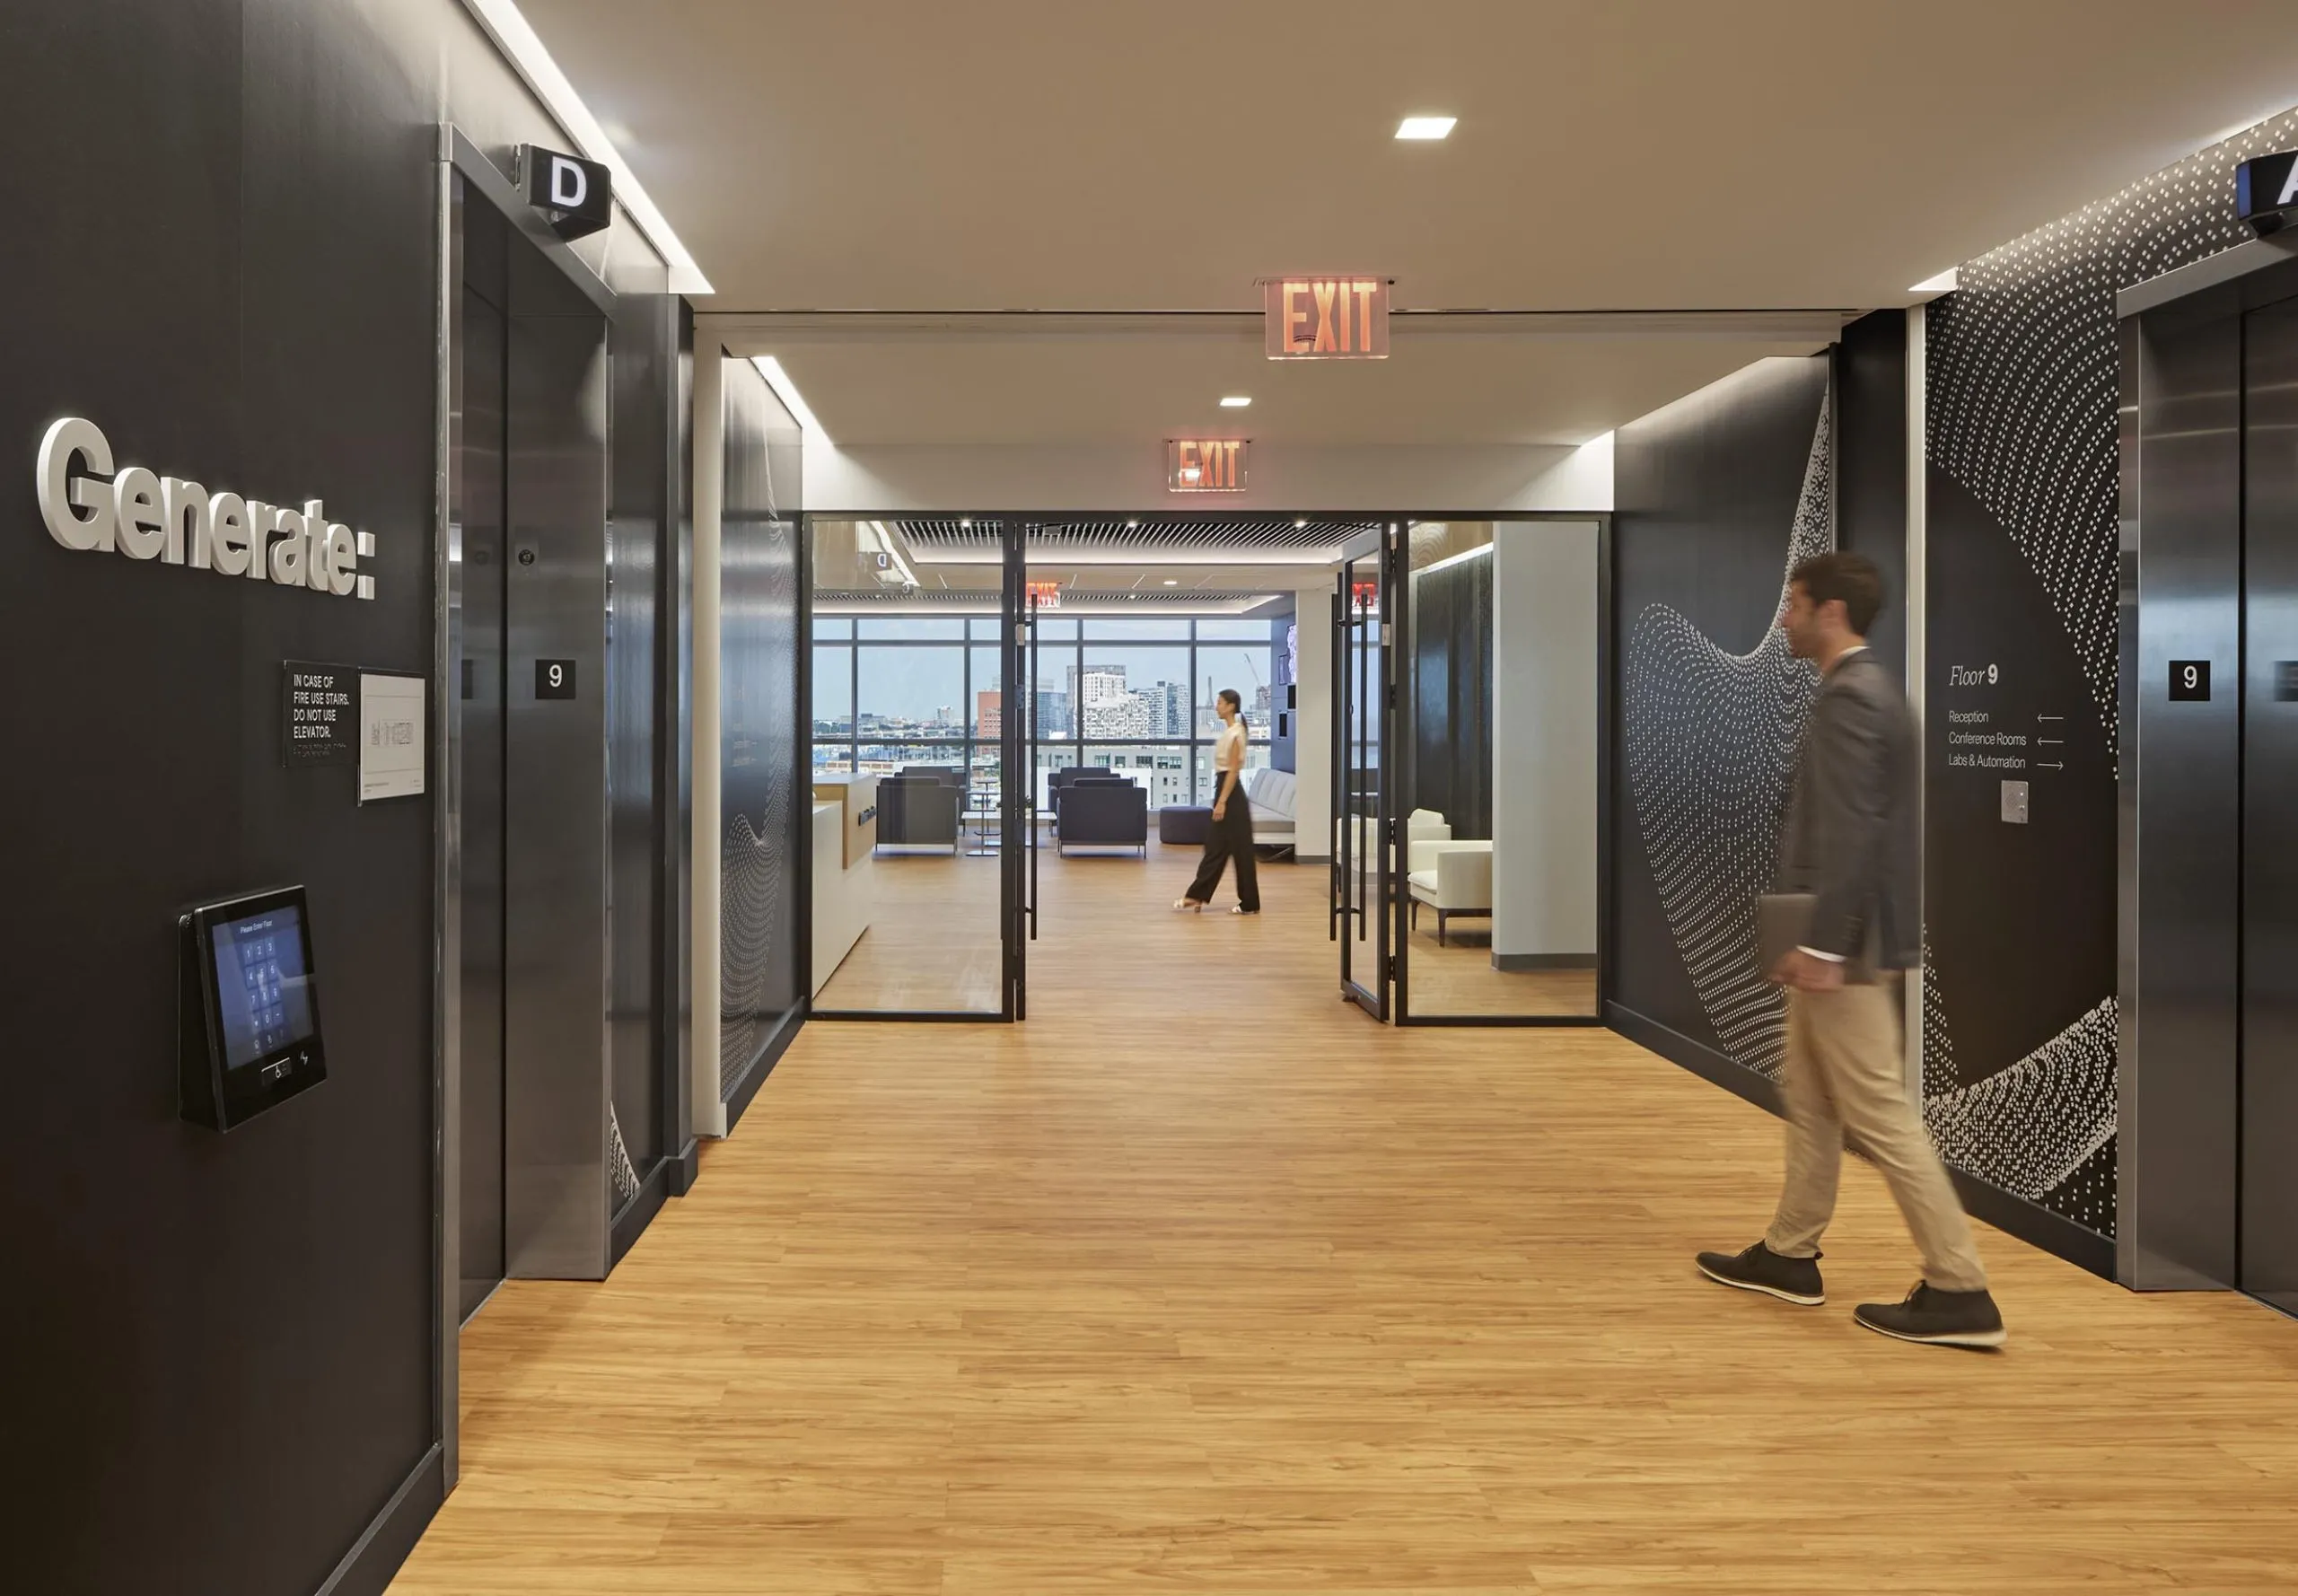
(1228, 747)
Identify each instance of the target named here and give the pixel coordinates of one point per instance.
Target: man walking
(1853, 844)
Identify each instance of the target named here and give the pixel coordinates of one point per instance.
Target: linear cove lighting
(1236, 401)
(1425, 128)
(1944, 283)
(516, 38)
(788, 393)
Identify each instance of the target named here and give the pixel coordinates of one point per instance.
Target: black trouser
(1231, 838)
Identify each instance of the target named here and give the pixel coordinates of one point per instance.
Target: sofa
(917, 812)
(1272, 795)
(1452, 878)
(1104, 814)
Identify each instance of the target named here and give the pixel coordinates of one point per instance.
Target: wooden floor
(1202, 1282)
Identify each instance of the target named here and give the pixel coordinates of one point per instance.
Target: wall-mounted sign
(1207, 465)
(390, 736)
(2266, 190)
(91, 508)
(1045, 595)
(1325, 317)
(553, 679)
(575, 194)
(316, 710)
(2189, 681)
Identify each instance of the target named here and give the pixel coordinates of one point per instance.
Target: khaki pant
(1845, 1074)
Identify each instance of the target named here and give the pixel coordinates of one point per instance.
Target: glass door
(1017, 759)
(1365, 707)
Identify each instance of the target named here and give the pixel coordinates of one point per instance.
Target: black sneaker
(1790, 1279)
(1936, 1318)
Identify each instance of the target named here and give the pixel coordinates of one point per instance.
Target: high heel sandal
(1190, 903)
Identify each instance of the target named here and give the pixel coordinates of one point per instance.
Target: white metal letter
(68, 440)
(232, 537)
(184, 505)
(342, 568)
(289, 547)
(136, 500)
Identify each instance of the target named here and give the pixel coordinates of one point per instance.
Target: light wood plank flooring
(1201, 1282)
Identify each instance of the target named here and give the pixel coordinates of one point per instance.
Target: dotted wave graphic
(2021, 380)
(1711, 741)
(2028, 1128)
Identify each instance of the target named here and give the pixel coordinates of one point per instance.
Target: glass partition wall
(1497, 771)
(912, 814)
(941, 707)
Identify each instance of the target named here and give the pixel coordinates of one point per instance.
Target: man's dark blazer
(1853, 836)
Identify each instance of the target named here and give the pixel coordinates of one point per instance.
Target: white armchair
(1422, 825)
(1453, 878)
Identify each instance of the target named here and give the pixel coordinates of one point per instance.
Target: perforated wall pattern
(1711, 739)
(2021, 380)
(2021, 397)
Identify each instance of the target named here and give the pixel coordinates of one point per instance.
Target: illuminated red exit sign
(1315, 317)
(1208, 465)
(1045, 595)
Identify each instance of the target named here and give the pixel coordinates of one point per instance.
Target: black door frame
(1404, 785)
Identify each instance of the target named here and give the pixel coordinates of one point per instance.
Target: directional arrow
(2040, 766)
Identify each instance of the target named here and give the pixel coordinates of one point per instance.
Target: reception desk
(846, 837)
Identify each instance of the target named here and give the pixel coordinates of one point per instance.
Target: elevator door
(480, 506)
(2268, 1239)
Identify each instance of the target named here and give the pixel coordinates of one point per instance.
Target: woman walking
(1232, 836)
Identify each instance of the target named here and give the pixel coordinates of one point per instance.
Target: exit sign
(1208, 465)
(1325, 317)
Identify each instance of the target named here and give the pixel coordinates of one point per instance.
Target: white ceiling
(1124, 156)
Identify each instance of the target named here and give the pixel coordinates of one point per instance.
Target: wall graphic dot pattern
(2021, 384)
(2021, 394)
(1711, 739)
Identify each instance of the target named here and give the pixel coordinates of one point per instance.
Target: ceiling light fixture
(1132, 525)
(1302, 522)
(965, 521)
(517, 39)
(1944, 283)
(1172, 581)
(788, 393)
(1236, 401)
(1426, 129)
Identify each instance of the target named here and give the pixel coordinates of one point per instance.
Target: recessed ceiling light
(1302, 522)
(1236, 401)
(1944, 283)
(1425, 128)
(1172, 581)
(1132, 525)
(966, 521)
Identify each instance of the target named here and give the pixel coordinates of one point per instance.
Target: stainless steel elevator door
(479, 490)
(2268, 1236)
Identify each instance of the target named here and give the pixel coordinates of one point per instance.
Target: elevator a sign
(1325, 317)
(2266, 190)
(92, 508)
(575, 194)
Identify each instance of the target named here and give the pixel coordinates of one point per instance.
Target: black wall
(767, 796)
(223, 249)
(1871, 466)
(1451, 693)
(1715, 496)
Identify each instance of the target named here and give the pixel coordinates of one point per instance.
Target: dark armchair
(1111, 812)
(917, 812)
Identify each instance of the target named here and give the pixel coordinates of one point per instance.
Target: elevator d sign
(1325, 317)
